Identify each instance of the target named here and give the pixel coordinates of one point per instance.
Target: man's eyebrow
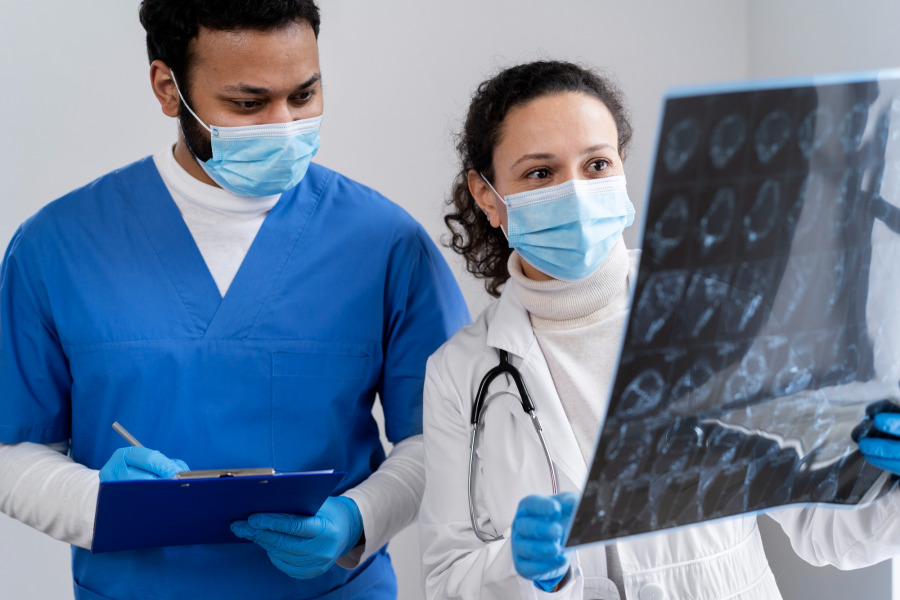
(245, 88)
(309, 82)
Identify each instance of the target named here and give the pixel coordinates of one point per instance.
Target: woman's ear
(484, 196)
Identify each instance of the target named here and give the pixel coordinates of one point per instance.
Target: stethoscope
(527, 405)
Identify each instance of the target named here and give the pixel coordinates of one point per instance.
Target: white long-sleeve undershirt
(389, 499)
(44, 488)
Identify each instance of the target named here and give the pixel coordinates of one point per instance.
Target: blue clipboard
(139, 514)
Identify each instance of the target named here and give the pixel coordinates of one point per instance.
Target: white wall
(397, 77)
(791, 38)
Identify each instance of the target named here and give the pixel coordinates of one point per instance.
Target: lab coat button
(651, 591)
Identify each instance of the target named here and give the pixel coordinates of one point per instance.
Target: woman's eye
(599, 165)
(538, 174)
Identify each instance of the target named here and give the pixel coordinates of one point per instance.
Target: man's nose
(280, 112)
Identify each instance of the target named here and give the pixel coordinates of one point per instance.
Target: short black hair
(172, 24)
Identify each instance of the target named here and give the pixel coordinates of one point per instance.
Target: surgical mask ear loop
(188, 106)
(483, 178)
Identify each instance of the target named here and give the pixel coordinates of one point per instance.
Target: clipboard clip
(218, 473)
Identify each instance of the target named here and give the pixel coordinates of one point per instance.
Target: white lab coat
(718, 560)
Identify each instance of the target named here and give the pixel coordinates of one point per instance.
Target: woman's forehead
(567, 121)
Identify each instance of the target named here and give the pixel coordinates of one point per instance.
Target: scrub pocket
(320, 398)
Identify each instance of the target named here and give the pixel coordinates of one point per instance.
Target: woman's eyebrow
(537, 156)
(548, 156)
(597, 147)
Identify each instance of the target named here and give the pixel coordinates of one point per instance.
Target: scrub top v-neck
(213, 314)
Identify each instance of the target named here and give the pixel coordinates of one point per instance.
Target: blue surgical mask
(568, 230)
(260, 160)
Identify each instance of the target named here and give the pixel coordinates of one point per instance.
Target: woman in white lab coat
(542, 152)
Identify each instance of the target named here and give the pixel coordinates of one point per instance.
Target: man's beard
(195, 137)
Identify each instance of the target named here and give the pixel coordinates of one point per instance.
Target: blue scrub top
(109, 313)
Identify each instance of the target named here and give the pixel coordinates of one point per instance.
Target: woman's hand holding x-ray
(305, 547)
(883, 450)
(538, 536)
(137, 462)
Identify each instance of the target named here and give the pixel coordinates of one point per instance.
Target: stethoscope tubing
(505, 367)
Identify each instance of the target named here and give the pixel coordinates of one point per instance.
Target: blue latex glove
(880, 450)
(137, 462)
(538, 536)
(305, 547)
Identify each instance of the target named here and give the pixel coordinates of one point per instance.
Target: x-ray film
(765, 321)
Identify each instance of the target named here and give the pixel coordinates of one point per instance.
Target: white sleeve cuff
(388, 499)
(45, 489)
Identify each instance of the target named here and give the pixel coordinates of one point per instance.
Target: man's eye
(246, 104)
(304, 96)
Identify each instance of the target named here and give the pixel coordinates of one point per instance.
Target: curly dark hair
(484, 247)
(172, 24)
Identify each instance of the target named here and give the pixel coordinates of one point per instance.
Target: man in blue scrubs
(233, 305)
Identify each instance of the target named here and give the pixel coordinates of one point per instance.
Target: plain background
(397, 76)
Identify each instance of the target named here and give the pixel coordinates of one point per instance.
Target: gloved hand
(137, 462)
(538, 534)
(305, 547)
(883, 450)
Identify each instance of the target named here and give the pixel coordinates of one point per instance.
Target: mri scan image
(764, 327)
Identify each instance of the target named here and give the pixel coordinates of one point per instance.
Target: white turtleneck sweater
(584, 319)
(579, 327)
(44, 488)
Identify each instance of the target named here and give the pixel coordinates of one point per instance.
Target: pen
(124, 433)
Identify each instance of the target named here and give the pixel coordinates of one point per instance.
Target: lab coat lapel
(173, 244)
(275, 243)
(511, 330)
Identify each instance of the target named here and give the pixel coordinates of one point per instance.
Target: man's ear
(164, 88)
(484, 197)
